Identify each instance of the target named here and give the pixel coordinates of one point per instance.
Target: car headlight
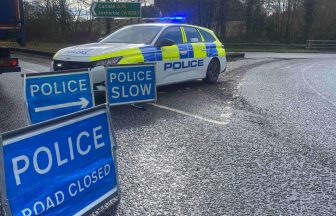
(109, 61)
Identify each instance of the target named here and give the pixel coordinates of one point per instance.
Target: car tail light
(9, 62)
(14, 62)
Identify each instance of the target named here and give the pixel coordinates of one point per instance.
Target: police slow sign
(129, 84)
(64, 166)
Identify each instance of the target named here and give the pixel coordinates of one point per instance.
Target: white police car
(181, 53)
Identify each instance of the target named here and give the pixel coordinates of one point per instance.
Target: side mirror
(166, 42)
(99, 39)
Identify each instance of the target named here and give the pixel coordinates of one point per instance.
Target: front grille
(70, 65)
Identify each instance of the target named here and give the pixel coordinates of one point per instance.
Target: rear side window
(172, 33)
(192, 35)
(207, 36)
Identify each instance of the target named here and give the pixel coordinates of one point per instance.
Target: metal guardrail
(321, 44)
(265, 45)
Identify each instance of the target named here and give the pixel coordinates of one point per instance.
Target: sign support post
(138, 107)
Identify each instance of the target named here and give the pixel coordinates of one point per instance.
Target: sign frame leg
(4, 202)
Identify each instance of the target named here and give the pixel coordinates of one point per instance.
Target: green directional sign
(116, 9)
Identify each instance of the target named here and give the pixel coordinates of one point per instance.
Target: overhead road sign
(65, 166)
(51, 95)
(130, 84)
(116, 9)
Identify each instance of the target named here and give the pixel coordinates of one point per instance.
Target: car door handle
(184, 52)
(204, 50)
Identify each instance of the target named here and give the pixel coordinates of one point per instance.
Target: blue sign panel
(53, 95)
(64, 166)
(128, 84)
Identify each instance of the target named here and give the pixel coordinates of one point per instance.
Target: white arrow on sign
(92, 8)
(83, 102)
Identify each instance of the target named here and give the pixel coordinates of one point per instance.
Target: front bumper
(97, 73)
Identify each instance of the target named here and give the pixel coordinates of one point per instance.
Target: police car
(181, 53)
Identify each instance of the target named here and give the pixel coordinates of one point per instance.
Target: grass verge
(276, 50)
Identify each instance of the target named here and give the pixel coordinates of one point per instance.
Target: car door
(169, 65)
(214, 48)
(199, 61)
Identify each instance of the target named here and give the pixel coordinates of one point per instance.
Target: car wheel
(213, 72)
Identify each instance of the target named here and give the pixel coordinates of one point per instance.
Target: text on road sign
(81, 143)
(131, 84)
(63, 87)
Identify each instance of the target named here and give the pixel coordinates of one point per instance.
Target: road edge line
(190, 115)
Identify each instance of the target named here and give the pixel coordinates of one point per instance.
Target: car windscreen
(133, 34)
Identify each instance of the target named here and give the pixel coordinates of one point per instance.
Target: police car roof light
(175, 18)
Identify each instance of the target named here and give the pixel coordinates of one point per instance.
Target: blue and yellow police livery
(181, 53)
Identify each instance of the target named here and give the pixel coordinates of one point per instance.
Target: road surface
(260, 142)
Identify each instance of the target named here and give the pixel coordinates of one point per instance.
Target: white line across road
(303, 72)
(190, 115)
(29, 70)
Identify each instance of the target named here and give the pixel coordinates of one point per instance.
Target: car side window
(193, 35)
(171, 33)
(208, 37)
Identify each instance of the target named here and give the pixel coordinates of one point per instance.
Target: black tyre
(213, 72)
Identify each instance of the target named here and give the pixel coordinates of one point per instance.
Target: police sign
(50, 95)
(65, 166)
(128, 84)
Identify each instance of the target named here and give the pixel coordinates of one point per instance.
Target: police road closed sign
(64, 166)
(51, 95)
(129, 84)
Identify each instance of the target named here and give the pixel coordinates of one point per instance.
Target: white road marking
(191, 115)
(312, 88)
(226, 115)
(30, 70)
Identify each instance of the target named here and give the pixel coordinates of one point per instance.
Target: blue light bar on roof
(173, 19)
